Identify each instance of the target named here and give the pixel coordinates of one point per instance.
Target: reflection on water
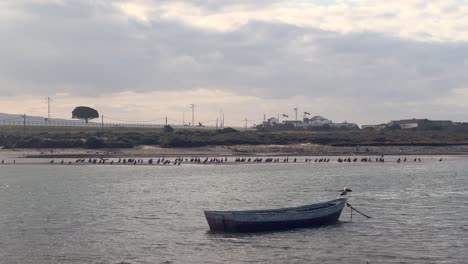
(110, 214)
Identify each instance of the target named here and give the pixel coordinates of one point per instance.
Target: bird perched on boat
(345, 191)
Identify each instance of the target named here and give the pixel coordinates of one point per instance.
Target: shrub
(227, 130)
(380, 139)
(180, 142)
(150, 141)
(48, 143)
(168, 129)
(94, 143)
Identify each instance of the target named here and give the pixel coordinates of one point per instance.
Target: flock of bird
(219, 160)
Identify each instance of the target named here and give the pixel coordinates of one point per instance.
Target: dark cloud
(91, 49)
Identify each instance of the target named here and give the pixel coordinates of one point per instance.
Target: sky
(363, 61)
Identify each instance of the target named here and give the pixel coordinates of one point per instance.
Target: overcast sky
(363, 61)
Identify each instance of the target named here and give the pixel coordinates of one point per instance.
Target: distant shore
(239, 150)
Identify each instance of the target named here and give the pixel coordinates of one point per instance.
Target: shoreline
(237, 151)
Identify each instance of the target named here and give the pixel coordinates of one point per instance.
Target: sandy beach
(240, 150)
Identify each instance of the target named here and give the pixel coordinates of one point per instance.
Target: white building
(317, 121)
(409, 125)
(272, 121)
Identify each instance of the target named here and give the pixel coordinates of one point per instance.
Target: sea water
(154, 214)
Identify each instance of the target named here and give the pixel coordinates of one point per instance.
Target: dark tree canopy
(168, 129)
(84, 112)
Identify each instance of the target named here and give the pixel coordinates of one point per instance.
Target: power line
(133, 121)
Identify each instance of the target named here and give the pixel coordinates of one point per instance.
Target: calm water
(110, 214)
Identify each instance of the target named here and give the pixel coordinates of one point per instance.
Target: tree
(168, 129)
(84, 112)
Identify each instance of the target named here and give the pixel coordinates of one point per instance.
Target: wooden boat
(319, 214)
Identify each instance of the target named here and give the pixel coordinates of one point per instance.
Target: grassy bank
(79, 137)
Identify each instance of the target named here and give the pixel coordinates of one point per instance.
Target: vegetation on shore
(51, 137)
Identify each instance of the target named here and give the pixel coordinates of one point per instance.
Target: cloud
(340, 53)
(436, 20)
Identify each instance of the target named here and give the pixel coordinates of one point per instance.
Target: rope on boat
(354, 209)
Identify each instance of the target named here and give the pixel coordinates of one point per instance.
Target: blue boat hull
(281, 219)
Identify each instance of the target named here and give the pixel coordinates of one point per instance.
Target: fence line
(52, 123)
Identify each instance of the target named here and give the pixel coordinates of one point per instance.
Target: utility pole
(166, 120)
(223, 120)
(48, 108)
(245, 124)
(102, 121)
(295, 110)
(264, 118)
(193, 114)
(24, 124)
(216, 123)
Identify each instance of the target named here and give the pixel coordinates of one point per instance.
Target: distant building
(375, 127)
(317, 121)
(421, 124)
(313, 123)
(272, 121)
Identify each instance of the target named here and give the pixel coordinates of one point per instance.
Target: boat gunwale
(286, 210)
